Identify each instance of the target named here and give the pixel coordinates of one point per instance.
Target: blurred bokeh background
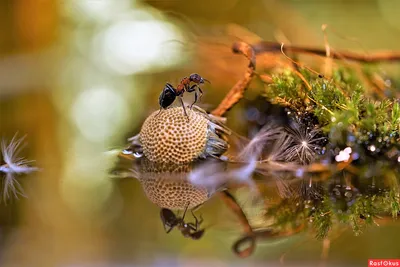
(80, 76)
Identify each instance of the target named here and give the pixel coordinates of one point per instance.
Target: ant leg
(192, 226)
(195, 100)
(159, 112)
(169, 230)
(184, 213)
(194, 216)
(197, 221)
(183, 105)
(201, 219)
(193, 89)
(201, 93)
(195, 208)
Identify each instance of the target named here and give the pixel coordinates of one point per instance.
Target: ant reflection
(170, 220)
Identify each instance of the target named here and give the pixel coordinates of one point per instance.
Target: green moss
(341, 100)
(322, 218)
(350, 114)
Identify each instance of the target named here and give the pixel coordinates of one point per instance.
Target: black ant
(170, 220)
(170, 93)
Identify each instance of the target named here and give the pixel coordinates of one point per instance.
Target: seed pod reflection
(167, 185)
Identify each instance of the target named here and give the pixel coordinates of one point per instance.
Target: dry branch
(273, 47)
(231, 202)
(237, 91)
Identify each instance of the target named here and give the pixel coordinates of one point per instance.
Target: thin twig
(326, 245)
(328, 59)
(296, 245)
(299, 64)
(237, 91)
(231, 202)
(273, 47)
(263, 234)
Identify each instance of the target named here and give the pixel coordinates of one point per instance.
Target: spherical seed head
(171, 136)
(167, 186)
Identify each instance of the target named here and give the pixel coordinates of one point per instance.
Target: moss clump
(355, 117)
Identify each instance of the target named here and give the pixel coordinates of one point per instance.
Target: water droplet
(137, 154)
(348, 194)
(299, 173)
(351, 138)
(388, 83)
(224, 158)
(347, 150)
(336, 191)
(127, 151)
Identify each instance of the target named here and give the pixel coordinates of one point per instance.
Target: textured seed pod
(166, 185)
(172, 137)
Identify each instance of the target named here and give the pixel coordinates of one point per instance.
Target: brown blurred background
(79, 77)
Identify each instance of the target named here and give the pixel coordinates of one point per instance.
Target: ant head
(197, 235)
(196, 78)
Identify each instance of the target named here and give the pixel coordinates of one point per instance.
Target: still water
(78, 78)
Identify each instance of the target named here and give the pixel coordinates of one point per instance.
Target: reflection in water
(188, 229)
(167, 185)
(294, 197)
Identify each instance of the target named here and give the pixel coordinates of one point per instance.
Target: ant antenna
(301, 65)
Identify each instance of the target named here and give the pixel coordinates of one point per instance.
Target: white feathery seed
(14, 165)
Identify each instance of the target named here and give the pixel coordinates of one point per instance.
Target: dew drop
(348, 194)
(388, 83)
(299, 173)
(127, 151)
(137, 154)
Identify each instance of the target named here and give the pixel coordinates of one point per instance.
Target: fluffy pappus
(215, 176)
(306, 143)
(14, 165)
